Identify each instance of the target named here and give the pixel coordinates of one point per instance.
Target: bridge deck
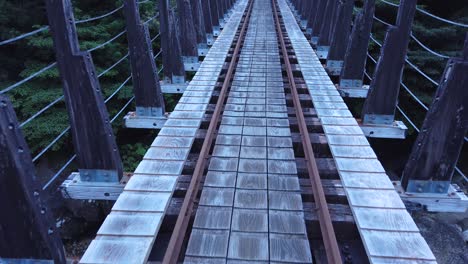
(250, 206)
(388, 232)
(129, 231)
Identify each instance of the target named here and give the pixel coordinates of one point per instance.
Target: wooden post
(27, 228)
(380, 104)
(206, 9)
(215, 17)
(222, 12)
(93, 139)
(356, 52)
(318, 20)
(326, 31)
(199, 23)
(148, 96)
(340, 37)
(435, 153)
(171, 52)
(311, 16)
(188, 36)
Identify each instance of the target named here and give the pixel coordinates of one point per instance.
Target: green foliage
(31, 54)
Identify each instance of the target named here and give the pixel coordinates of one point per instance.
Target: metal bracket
(378, 119)
(88, 175)
(396, 130)
(203, 49)
(314, 40)
(334, 67)
(190, 63)
(303, 24)
(216, 30)
(420, 186)
(209, 39)
(149, 111)
(308, 31)
(322, 51)
(178, 79)
(132, 120)
(353, 88)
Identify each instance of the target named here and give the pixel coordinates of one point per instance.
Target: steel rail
(326, 225)
(172, 253)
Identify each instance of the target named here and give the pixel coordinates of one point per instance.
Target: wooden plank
(218, 218)
(251, 181)
(253, 165)
(208, 243)
(142, 202)
(244, 220)
(217, 196)
(162, 153)
(248, 246)
(286, 222)
(388, 199)
(131, 224)
(280, 200)
(220, 179)
(384, 219)
(160, 167)
(290, 248)
(121, 250)
(251, 199)
(149, 183)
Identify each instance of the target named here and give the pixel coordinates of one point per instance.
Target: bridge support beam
(435, 153)
(318, 21)
(174, 73)
(209, 30)
(352, 73)
(379, 107)
(340, 38)
(199, 23)
(327, 29)
(93, 139)
(28, 229)
(149, 99)
(187, 35)
(215, 17)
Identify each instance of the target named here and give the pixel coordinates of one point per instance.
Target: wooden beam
(170, 44)
(214, 16)
(206, 9)
(318, 20)
(27, 228)
(340, 37)
(188, 36)
(356, 52)
(148, 96)
(435, 153)
(93, 138)
(380, 105)
(199, 22)
(326, 31)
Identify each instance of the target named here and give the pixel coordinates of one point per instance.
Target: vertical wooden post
(340, 37)
(318, 20)
(93, 139)
(435, 153)
(27, 228)
(215, 17)
(222, 12)
(380, 104)
(188, 37)
(326, 31)
(171, 52)
(206, 9)
(148, 96)
(311, 16)
(199, 23)
(356, 52)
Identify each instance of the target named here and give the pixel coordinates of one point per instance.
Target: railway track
(300, 117)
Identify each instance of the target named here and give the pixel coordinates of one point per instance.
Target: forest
(29, 55)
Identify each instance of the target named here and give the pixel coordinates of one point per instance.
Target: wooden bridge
(261, 160)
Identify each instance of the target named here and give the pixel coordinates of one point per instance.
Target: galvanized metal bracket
(191, 63)
(353, 88)
(209, 39)
(94, 175)
(396, 130)
(334, 67)
(303, 24)
(419, 186)
(314, 40)
(203, 49)
(216, 30)
(378, 119)
(322, 51)
(149, 111)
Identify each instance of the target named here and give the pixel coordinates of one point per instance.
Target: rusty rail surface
(326, 226)
(175, 243)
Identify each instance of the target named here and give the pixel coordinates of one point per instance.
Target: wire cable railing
(431, 15)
